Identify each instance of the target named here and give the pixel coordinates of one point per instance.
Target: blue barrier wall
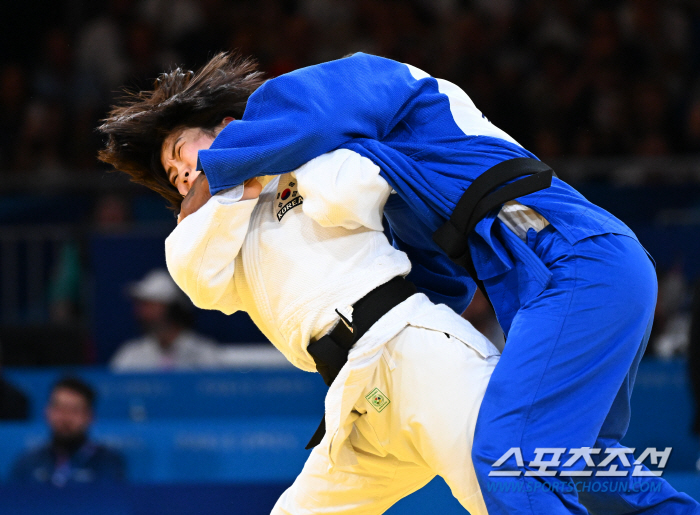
(183, 395)
(662, 413)
(264, 449)
(232, 441)
(135, 403)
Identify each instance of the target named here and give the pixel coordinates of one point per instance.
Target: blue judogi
(575, 300)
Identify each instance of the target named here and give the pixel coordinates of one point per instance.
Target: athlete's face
(178, 155)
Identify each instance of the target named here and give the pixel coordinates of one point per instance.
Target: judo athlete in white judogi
(403, 408)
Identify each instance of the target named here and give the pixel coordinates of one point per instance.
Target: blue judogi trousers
(565, 380)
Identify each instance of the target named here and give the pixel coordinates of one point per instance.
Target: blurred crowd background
(606, 92)
(579, 77)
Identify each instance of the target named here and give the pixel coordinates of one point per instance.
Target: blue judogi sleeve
(298, 116)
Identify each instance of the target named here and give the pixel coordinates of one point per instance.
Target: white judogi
(290, 264)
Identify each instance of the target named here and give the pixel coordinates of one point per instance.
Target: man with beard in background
(71, 457)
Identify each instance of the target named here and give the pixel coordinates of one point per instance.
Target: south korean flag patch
(287, 196)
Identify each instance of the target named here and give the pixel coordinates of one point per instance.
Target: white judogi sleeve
(343, 189)
(200, 253)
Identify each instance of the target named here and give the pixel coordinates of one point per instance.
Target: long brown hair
(137, 126)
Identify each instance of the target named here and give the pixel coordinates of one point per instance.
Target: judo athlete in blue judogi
(573, 290)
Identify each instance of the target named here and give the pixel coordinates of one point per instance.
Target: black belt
(489, 191)
(330, 352)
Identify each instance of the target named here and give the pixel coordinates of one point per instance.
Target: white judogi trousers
(414, 420)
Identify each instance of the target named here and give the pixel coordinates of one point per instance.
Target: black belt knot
(330, 352)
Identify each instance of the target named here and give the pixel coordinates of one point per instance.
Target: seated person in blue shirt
(70, 457)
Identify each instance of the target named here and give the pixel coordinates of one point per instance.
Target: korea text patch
(287, 196)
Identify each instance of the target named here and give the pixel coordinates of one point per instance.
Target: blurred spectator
(173, 18)
(57, 81)
(112, 214)
(101, 47)
(14, 405)
(563, 78)
(669, 336)
(70, 457)
(583, 77)
(65, 287)
(165, 315)
(40, 146)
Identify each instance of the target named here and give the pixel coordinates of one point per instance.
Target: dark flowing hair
(137, 127)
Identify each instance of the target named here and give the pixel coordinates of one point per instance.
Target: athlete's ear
(222, 125)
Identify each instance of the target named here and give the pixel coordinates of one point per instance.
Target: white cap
(156, 286)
